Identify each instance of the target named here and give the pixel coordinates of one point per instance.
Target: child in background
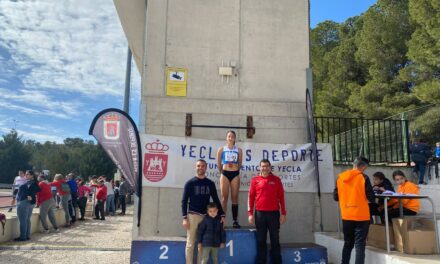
(211, 235)
(380, 185)
(410, 206)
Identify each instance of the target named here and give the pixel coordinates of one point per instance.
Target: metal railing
(381, 141)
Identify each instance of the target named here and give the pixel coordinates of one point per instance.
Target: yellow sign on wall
(176, 81)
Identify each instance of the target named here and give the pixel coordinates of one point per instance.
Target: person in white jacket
(110, 202)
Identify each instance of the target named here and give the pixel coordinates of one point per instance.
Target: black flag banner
(116, 132)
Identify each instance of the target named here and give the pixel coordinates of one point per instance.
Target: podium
(158, 250)
(303, 253)
(240, 248)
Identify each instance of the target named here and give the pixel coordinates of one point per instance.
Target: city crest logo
(155, 161)
(112, 126)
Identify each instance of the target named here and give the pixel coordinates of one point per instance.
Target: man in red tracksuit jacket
(267, 194)
(101, 196)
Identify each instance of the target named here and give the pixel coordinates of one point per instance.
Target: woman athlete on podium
(229, 158)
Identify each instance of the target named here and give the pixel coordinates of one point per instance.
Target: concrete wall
(267, 40)
(12, 227)
(269, 43)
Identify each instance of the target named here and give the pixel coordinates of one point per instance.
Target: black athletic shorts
(230, 174)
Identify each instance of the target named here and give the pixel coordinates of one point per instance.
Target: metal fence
(381, 141)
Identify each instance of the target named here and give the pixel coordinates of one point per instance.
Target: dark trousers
(355, 235)
(72, 205)
(122, 203)
(99, 209)
(394, 213)
(434, 163)
(82, 203)
(268, 221)
(420, 168)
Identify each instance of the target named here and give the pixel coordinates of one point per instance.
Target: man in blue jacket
(73, 196)
(196, 197)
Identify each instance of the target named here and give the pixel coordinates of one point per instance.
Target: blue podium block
(157, 251)
(240, 247)
(303, 253)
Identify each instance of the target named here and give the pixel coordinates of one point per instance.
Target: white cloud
(58, 62)
(39, 103)
(75, 46)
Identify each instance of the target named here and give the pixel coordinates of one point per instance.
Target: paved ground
(5, 197)
(91, 241)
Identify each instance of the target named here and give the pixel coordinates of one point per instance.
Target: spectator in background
(46, 204)
(93, 181)
(83, 194)
(110, 201)
(435, 159)
(420, 152)
(124, 189)
(116, 190)
(26, 198)
(101, 196)
(73, 196)
(63, 190)
(18, 181)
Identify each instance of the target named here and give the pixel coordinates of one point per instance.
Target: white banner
(170, 162)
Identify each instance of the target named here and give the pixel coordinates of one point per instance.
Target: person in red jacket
(63, 191)
(46, 204)
(266, 194)
(101, 196)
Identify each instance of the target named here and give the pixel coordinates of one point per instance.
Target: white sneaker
(56, 230)
(46, 231)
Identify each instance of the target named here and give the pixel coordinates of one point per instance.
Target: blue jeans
(24, 213)
(110, 204)
(420, 168)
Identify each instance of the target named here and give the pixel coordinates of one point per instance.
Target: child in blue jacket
(211, 235)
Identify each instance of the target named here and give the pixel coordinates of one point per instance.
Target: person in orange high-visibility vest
(410, 206)
(354, 192)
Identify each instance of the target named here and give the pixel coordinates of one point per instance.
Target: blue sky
(61, 62)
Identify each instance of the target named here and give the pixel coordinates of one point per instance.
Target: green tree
(323, 39)
(343, 73)
(13, 156)
(82, 157)
(382, 49)
(424, 72)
